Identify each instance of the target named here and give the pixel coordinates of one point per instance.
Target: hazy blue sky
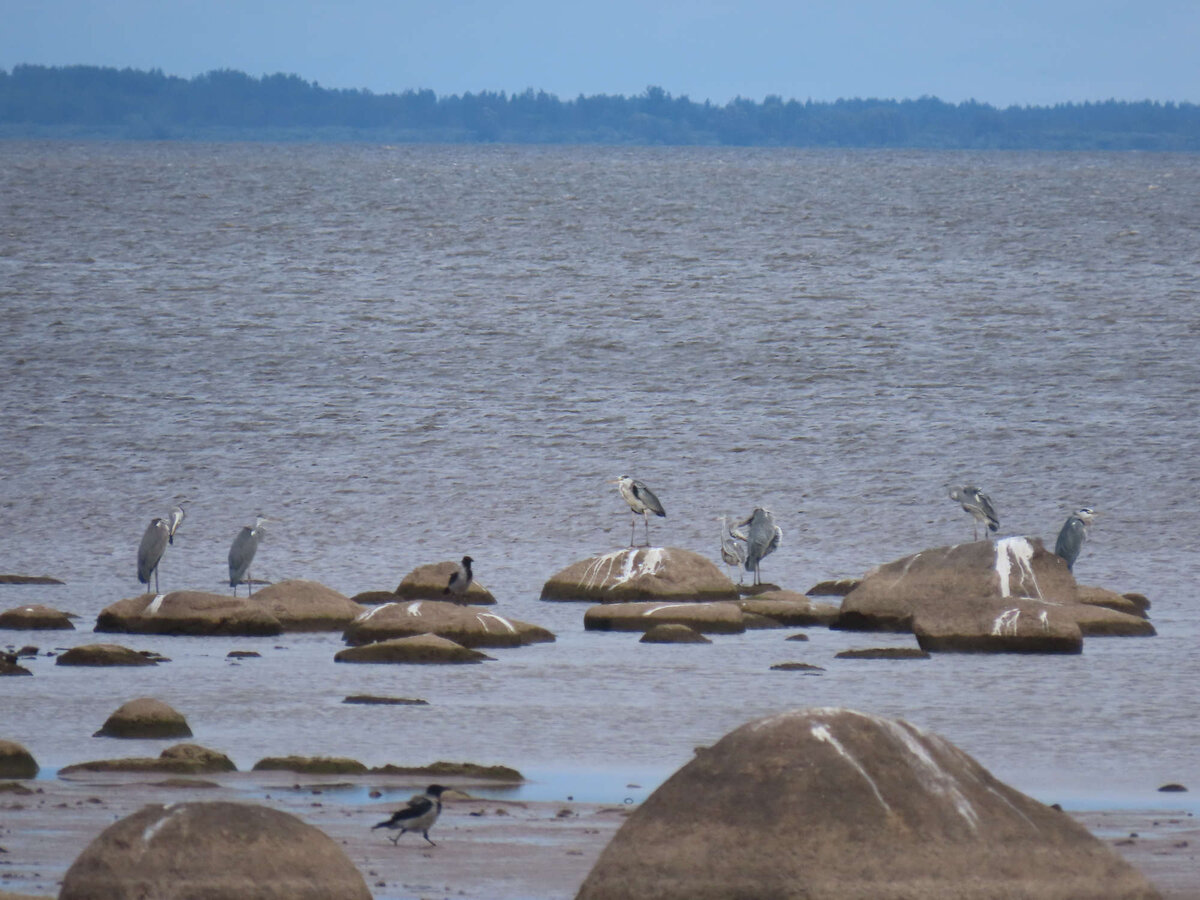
(996, 51)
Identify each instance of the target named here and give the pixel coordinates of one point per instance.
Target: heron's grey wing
(241, 554)
(150, 550)
(776, 539)
(1070, 541)
(984, 502)
(648, 498)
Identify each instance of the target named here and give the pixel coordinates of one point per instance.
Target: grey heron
(979, 505)
(762, 540)
(460, 578)
(241, 553)
(418, 814)
(733, 546)
(150, 551)
(176, 519)
(1073, 533)
(641, 502)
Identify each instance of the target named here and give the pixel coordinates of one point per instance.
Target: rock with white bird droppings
(470, 627)
(188, 612)
(706, 618)
(830, 804)
(417, 648)
(35, 617)
(642, 573)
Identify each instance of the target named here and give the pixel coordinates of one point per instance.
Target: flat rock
(642, 574)
(707, 618)
(428, 582)
(1103, 621)
(105, 655)
(673, 633)
(372, 700)
(374, 598)
(789, 609)
(837, 587)
(301, 605)
(29, 579)
(461, 624)
(883, 653)
(311, 765)
(828, 804)
(145, 717)
(16, 761)
(35, 617)
(796, 667)
(417, 648)
(442, 769)
(219, 851)
(1125, 603)
(189, 612)
(181, 759)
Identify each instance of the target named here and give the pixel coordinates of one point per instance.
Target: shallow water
(404, 354)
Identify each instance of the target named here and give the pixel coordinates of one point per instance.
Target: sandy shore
(487, 849)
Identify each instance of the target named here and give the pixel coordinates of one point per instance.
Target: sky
(1002, 52)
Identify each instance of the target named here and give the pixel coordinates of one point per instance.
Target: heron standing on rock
(979, 505)
(641, 502)
(418, 815)
(460, 578)
(176, 519)
(241, 554)
(733, 547)
(1073, 533)
(150, 551)
(762, 540)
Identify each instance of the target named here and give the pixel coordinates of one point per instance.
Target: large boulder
(145, 717)
(642, 573)
(710, 618)
(106, 655)
(461, 624)
(219, 851)
(35, 617)
(830, 803)
(429, 582)
(188, 612)
(419, 648)
(16, 761)
(301, 605)
(180, 759)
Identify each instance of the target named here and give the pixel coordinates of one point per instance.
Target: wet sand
(486, 849)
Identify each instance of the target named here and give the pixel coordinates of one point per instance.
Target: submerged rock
(825, 804)
(418, 648)
(442, 769)
(35, 617)
(711, 618)
(429, 582)
(301, 605)
(181, 759)
(461, 624)
(311, 765)
(106, 655)
(219, 851)
(673, 633)
(145, 717)
(642, 574)
(189, 612)
(883, 653)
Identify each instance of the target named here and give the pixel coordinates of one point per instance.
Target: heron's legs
(646, 522)
(632, 526)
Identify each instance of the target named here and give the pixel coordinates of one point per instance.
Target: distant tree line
(90, 101)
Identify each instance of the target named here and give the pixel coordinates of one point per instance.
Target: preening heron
(762, 540)
(1073, 534)
(176, 519)
(418, 815)
(460, 578)
(979, 505)
(733, 546)
(241, 554)
(150, 551)
(641, 502)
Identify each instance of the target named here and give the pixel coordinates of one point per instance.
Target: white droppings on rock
(822, 733)
(155, 604)
(156, 826)
(1019, 550)
(1006, 623)
(619, 566)
(933, 777)
(367, 614)
(503, 621)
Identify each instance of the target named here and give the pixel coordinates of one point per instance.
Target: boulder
(789, 609)
(710, 618)
(1103, 621)
(461, 624)
(672, 633)
(982, 628)
(105, 655)
(311, 765)
(180, 759)
(1098, 596)
(145, 717)
(429, 582)
(301, 605)
(830, 803)
(16, 761)
(188, 612)
(35, 618)
(374, 598)
(10, 666)
(219, 851)
(642, 573)
(418, 648)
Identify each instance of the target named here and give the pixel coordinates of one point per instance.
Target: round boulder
(145, 717)
(301, 605)
(671, 633)
(105, 655)
(188, 612)
(830, 803)
(219, 851)
(429, 582)
(709, 618)
(642, 573)
(419, 648)
(461, 624)
(16, 761)
(35, 618)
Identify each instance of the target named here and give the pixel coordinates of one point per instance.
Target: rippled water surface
(405, 354)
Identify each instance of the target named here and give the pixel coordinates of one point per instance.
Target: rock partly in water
(708, 618)
(35, 617)
(673, 633)
(311, 765)
(181, 759)
(442, 769)
(16, 761)
(429, 582)
(884, 653)
(796, 667)
(461, 624)
(374, 598)
(145, 717)
(301, 605)
(1124, 603)
(1103, 621)
(29, 579)
(10, 666)
(837, 587)
(419, 648)
(189, 612)
(789, 609)
(106, 655)
(372, 700)
(219, 851)
(828, 803)
(642, 574)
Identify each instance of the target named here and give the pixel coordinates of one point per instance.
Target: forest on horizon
(93, 102)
